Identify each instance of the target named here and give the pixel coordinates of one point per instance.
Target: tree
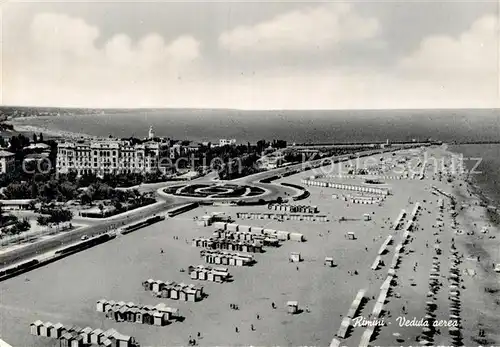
(60, 215)
(85, 199)
(35, 138)
(40, 137)
(118, 205)
(42, 220)
(101, 208)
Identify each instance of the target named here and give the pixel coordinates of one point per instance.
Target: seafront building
(226, 142)
(7, 162)
(110, 156)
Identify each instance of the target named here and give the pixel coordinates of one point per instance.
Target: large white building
(7, 162)
(108, 156)
(226, 142)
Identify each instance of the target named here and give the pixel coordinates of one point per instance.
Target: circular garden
(217, 191)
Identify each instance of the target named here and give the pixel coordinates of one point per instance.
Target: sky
(251, 55)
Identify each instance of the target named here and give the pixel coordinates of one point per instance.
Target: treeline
(49, 187)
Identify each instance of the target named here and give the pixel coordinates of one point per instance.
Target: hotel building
(7, 162)
(226, 142)
(111, 156)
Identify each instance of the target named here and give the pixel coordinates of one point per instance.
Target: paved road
(74, 236)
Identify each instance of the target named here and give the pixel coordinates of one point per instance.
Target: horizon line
(248, 110)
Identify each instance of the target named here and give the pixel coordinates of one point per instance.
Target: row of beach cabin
(143, 314)
(208, 220)
(283, 216)
(227, 258)
(359, 197)
(77, 337)
(293, 208)
(399, 220)
(279, 234)
(344, 186)
(173, 290)
(205, 273)
(224, 244)
(266, 240)
(271, 233)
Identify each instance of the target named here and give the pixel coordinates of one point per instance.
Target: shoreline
(25, 128)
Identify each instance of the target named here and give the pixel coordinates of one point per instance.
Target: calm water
(293, 126)
(488, 169)
(307, 127)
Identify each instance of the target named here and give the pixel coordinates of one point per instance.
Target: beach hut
(139, 316)
(295, 257)
(58, 330)
(367, 217)
(124, 340)
(45, 329)
(156, 286)
(351, 235)
(296, 237)
(283, 235)
(174, 291)
(96, 336)
(109, 333)
(147, 318)
(257, 230)
(107, 343)
(158, 318)
(100, 305)
(86, 334)
(182, 294)
(76, 341)
(121, 314)
(329, 262)
(35, 327)
(165, 292)
(110, 312)
(292, 307)
(148, 284)
(65, 340)
(130, 314)
(191, 294)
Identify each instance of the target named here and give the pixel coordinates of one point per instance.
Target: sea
(319, 126)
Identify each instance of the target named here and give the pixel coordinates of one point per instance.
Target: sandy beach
(115, 270)
(23, 126)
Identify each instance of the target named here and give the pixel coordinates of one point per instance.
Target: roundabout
(215, 191)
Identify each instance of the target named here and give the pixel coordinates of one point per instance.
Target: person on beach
(161, 250)
(258, 317)
(252, 327)
(236, 329)
(273, 305)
